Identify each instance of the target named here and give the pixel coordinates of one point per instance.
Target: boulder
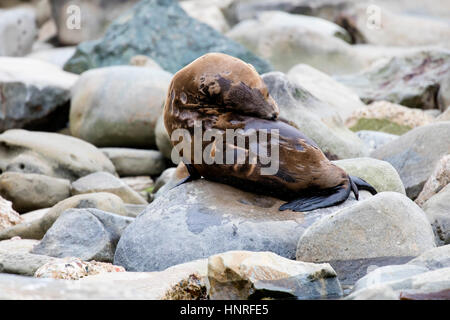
(50, 154)
(136, 162)
(325, 88)
(17, 245)
(18, 31)
(106, 182)
(415, 154)
(437, 181)
(93, 17)
(388, 224)
(207, 12)
(55, 56)
(88, 234)
(437, 209)
(8, 216)
(35, 94)
(387, 117)
(22, 263)
(375, 139)
(316, 118)
(433, 259)
(380, 174)
(242, 275)
(292, 39)
(36, 228)
(162, 139)
(118, 106)
(203, 218)
(445, 116)
(30, 191)
(411, 79)
(161, 30)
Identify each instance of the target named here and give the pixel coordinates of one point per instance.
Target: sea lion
(220, 92)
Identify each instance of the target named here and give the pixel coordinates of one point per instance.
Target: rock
(192, 288)
(387, 117)
(168, 179)
(34, 94)
(105, 286)
(18, 31)
(412, 80)
(36, 228)
(437, 209)
(8, 216)
(206, 12)
(375, 139)
(94, 17)
(324, 87)
(430, 285)
(203, 218)
(56, 56)
(415, 154)
(29, 191)
(162, 139)
(437, 181)
(380, 174)
(445, 116)
(139, 184)
(292, 39)
(144, 61)
(388, 224)
(74, 269)
(135, 162)
(17, 245)
(50, 154)
(394, 29)
(34, 215)
(106, 182)
(133, 210)
(118, 106)
(433, 259)
(161, 30)
(388, 274)
(316, 119)
(22, 263)
(242, 275)
(88, 234)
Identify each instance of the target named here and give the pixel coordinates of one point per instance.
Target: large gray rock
(437, 181)
(17, 245)
(287, 40)
(316, 118)
(136, 162)
(413, 79)
(162, 138)
(34, 94)
(437, 209)
(415, 154)
(208, 12)
(50, 154)
(375, 139)
(94, 17)
(118, 106)
(56, 56)
(202, 218)
(242, 275)
(380, 174)
(18, 31)
(161, 30)
(29, 191)
(88, 234)
(106, 182)
(36, 228)
(433, 259)
(388, 224)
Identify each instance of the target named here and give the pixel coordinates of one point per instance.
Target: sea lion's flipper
(326, 198)
(362, 185)
(193, 175)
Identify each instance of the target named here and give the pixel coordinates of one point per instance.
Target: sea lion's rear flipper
(362, 185)
(193, 175)
(323, 199)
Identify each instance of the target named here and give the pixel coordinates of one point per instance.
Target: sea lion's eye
(183, 98)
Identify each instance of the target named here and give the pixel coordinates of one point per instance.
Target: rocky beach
(88, 203)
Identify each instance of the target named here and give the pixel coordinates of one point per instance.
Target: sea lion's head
(217, 83)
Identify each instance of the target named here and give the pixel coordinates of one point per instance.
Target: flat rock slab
(202, 218)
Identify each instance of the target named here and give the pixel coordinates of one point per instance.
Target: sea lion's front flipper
(193, 175)
(325, 198)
